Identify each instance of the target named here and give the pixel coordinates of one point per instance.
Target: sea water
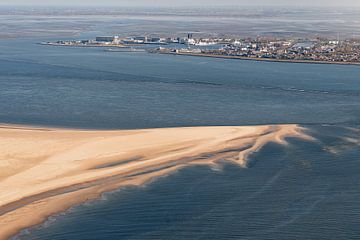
(304, 190)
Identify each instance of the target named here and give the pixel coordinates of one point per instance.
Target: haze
(169, 3)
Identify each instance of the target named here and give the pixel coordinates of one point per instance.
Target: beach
(44, 171)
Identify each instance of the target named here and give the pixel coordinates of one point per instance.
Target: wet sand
(44, 171)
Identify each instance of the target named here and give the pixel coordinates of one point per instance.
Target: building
(182, 40)
(140, 39)
(190, 41)
(334, 42)
(105, 39)
(155, 39)
(172, 40)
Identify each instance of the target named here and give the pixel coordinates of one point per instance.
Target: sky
(169, 3)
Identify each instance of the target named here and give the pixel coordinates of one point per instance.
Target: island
(263, 48)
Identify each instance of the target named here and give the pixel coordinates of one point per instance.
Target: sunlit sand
(44, 171)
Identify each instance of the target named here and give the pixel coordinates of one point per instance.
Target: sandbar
(44, 171)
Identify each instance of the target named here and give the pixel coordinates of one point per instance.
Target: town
(317, 50)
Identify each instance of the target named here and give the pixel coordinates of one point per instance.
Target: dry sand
(44, 171)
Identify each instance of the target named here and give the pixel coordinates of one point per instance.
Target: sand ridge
(47, 170)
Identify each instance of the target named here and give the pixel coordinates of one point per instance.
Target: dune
(44, 171)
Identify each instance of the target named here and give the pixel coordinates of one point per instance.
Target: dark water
(86, 87)
(302, 191)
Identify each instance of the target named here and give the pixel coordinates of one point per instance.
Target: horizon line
(179, 6)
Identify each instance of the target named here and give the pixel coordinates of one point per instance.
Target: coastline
(125, 46)
(259, 59)
(49, 170)
(97, 45)
(83, 46)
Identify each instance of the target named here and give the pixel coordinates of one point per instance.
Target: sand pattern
(44, 171)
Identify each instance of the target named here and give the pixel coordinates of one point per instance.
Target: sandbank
(44, 171)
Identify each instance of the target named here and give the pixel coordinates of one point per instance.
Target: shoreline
(83, 45)
(126, 46)
(258, 59)
(80, 165)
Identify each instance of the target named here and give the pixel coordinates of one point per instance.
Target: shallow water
(294, 192)
(301, 190)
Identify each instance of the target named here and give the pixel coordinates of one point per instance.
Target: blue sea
(306, 190)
